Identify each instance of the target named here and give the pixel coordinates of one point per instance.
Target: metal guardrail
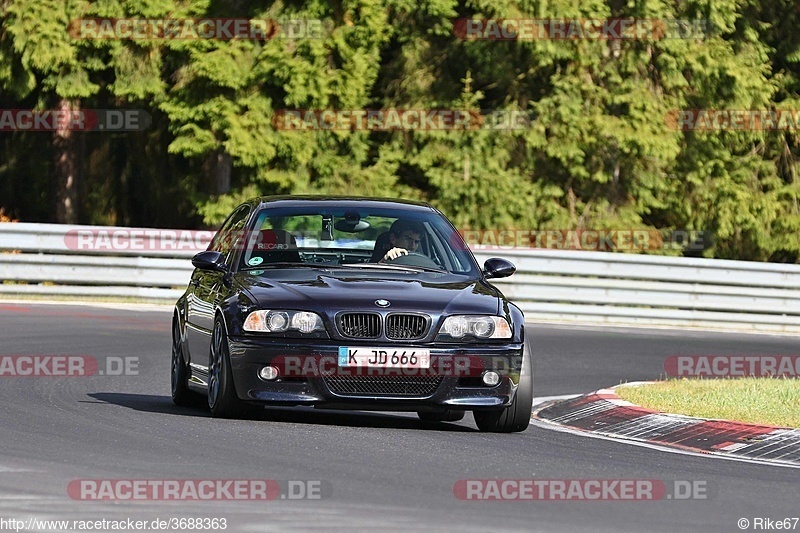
(598, 287)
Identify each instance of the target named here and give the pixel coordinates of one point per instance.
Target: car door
(205, 287)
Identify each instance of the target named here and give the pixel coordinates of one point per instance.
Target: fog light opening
(268, 373)
(491, 378)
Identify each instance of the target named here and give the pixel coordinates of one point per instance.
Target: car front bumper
(309, 375)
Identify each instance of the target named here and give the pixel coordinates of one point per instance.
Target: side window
(231, 232)
(456, 258)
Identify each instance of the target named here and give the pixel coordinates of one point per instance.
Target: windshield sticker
(255, 261)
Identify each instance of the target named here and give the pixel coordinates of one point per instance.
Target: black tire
(179, 372)
(447, 416)
(516, 416)
(222, 399)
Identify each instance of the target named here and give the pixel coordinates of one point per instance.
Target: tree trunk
(66, 167)
(224, 168)
(217, 168)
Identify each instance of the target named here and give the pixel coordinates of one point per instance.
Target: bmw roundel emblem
(382, 303)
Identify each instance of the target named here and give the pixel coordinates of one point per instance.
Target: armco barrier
(569, 286)
(47, 259)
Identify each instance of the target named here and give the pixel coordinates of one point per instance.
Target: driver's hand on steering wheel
(394, 253)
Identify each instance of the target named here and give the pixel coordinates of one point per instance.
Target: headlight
(270, 321)
(482, 327)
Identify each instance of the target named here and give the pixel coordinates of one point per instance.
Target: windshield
(357, 238)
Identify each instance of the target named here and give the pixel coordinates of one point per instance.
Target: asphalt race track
(384, 471)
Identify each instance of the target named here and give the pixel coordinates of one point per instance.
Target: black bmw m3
(350, 303)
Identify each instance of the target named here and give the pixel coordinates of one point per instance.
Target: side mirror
(498, 268)
(210, 261)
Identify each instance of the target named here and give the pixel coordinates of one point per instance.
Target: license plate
(384, 357)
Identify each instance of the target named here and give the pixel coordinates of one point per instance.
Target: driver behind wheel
(404, 236)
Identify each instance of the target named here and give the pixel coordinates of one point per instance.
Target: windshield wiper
(290, 264)
(428, 269)
(386, 266)
(282, 264)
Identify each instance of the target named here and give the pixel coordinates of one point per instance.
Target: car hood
(334, 290)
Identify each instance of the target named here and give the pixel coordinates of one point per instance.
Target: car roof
(341, 201)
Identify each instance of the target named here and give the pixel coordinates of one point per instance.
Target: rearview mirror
(209, 260)
(351, 223)
(498, 268)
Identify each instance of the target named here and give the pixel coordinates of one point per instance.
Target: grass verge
(770, 401)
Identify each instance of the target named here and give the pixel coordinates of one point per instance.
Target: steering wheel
(414, 259)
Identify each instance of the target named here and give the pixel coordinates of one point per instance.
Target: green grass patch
(770, 401)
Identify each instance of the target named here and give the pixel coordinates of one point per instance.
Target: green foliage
(44, 54)
(600, 153)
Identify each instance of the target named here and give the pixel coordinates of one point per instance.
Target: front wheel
(181, 395)
(222, 399)
(516, 416)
